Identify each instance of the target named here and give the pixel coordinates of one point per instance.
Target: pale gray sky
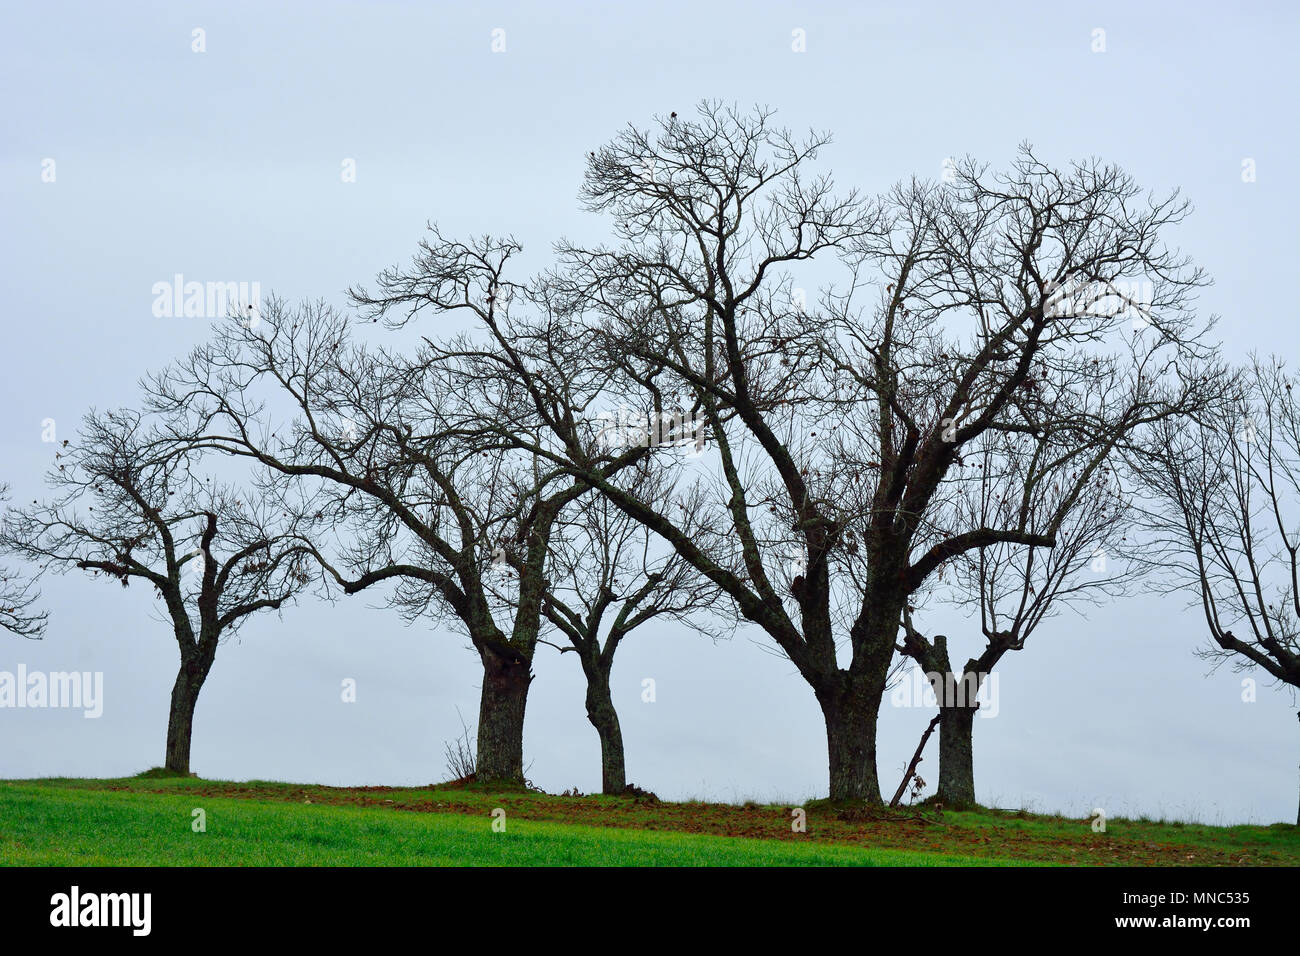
(225, 166)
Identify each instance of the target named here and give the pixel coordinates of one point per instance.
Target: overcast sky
(226, 165)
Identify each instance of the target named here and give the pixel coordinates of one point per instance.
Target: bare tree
(974, 306)
(608, 576)
(403, 478)
(1221, 519)
(214, 554)
(18, 596)
(534, 384)
(1016, 479)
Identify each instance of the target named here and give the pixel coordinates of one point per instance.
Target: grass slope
(59, 826)
(147, 820)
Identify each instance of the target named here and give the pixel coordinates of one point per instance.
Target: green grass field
(150, 821)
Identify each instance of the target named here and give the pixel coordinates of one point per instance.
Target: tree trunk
(506, 676)
(956, 694)
(851, 709)
(603, 716)
(956, 757)
(180, 723)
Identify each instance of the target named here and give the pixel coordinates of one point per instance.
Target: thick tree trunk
(506, 676)
(956, 757)
(603, 716)
(851, 708)
(180, 723)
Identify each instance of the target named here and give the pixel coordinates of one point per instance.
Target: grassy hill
(149, 820)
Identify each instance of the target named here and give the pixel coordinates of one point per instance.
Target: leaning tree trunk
(506, 676)
(603, 716)
(910, 772)
(956, 757)
(180, 724)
